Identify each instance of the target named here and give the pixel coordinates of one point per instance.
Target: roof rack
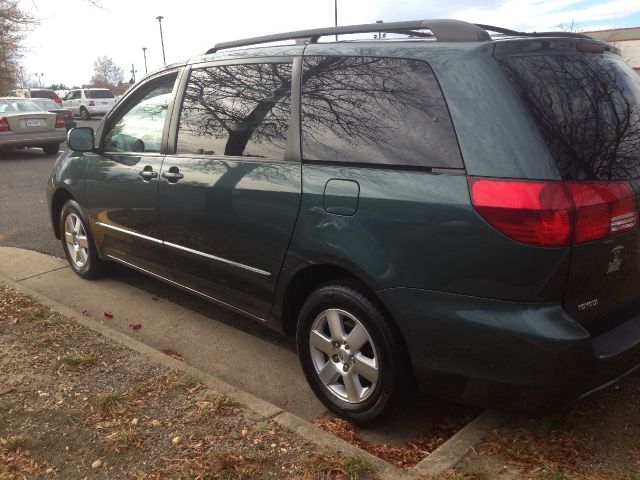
(443, 30)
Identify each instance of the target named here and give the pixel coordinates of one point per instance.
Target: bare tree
(106, 73)
(14, 24)
(572, 26)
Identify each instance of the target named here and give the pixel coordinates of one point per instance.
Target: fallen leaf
(108, 314)
(173, 354)
(135, 326)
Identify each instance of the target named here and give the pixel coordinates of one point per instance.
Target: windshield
(587, 107)
(98, 94)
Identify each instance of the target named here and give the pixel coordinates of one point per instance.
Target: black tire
(51, 148)
(353, 306)
(84, 113)
(87, 266)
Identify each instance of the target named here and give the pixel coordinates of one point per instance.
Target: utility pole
(144, 52)
(159, 18)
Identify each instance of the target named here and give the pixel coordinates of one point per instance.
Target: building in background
(626, 39)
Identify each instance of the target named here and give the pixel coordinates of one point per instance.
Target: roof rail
(443, 30)
(506, 31)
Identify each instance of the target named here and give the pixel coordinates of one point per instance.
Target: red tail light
(92, 103)
(59, 121)
(602, 209)
(57, 100)
(4, 125)
(554, 213)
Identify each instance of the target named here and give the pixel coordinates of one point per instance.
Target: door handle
(147, 173)
(173, 175)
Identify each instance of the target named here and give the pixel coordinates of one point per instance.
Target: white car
(88, 102)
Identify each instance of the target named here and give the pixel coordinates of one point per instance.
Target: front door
(229, 198)
(122, 180)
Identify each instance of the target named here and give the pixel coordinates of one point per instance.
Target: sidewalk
(270, 381)
(216, 348)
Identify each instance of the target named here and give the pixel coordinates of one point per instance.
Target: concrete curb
(449, 454)
(440, 460)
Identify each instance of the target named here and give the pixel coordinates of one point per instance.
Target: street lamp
(380, 34)
(159, 18)
(144, 52)
(335, 10)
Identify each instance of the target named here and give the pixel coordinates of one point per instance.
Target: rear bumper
(518, 356)
(33, 140)
(99, 110)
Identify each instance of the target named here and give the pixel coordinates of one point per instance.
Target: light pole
(335, 11)
(159, 18)
(380, 34)
(144, 53)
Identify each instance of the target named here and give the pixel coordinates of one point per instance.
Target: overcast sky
(73, 33)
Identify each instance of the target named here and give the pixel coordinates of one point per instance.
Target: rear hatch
(585, 101)
(101, 97)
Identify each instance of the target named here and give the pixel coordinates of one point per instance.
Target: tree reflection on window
(236, 110)
(377, 111)
(587, 108)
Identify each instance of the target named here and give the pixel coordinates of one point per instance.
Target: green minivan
(452, 207)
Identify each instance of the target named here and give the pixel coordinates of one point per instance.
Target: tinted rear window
(98, 94)
(372, 110)
(587, 107)
(44, 94)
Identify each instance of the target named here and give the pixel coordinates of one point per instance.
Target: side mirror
(80, 139)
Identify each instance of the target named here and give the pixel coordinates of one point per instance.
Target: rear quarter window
(587, 108)
(377, 111)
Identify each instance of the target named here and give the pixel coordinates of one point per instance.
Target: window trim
(387, 166)
(292, 151)
(132, 99)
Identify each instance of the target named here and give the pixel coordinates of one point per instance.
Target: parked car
(50, 106)
(454, 210)
(35, 93)
(25, 124)
(88, 102)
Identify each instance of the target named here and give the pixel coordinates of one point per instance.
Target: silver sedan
(24, 124)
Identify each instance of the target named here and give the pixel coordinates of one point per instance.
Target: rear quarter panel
(419, 230)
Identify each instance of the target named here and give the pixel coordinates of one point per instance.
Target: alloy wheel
(77, 243)
(344, 356)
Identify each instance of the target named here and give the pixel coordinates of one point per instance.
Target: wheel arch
(59, 198)
(307, 279)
